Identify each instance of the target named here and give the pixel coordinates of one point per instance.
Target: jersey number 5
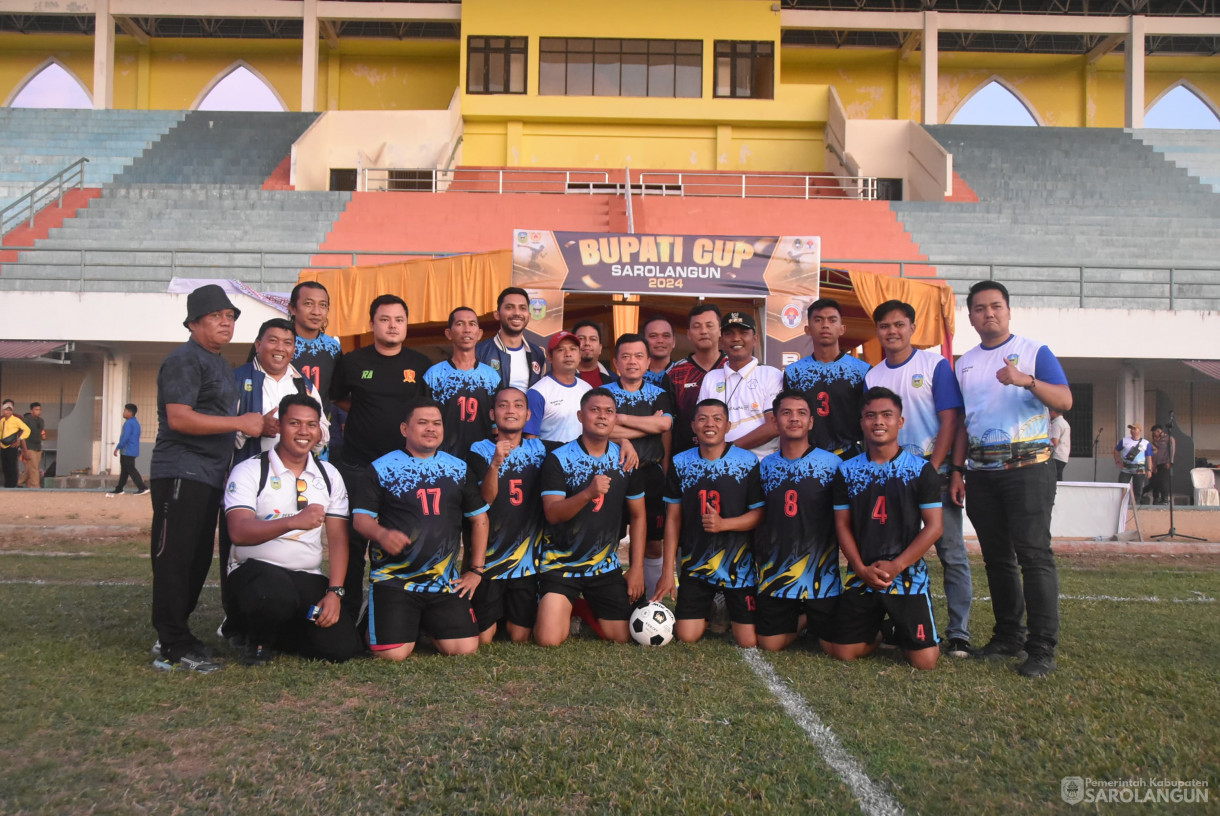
(515, 494)
(423, 494)
(879, 510)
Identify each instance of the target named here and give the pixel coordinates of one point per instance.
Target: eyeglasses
(302, 501)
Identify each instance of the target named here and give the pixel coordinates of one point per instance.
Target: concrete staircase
(1054, 200)
(1195, 151)
(193, 207)
(37, 143)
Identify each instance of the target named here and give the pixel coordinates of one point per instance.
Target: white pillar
(309, 58)
(1130, 393)
(931, 68)
(103, 57)
(116, 379)
(1134, 65)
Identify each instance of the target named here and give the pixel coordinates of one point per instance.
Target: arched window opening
(241, 89)
(1181, 108)
(54, 86)
(994, 104)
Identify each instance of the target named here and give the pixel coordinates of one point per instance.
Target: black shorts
(606, 594)
(396, 616)
(696, 596)
(781, 616)
(515, 599)
(653, 479)
(858, 618)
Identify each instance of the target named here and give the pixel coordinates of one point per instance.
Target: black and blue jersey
(466, 397)
(316, 360)
(645, 401)
(729, 486)
(834, 390)
(886, 500)
(426, 499)
(587, 543)
(796, 551)
(515, 517)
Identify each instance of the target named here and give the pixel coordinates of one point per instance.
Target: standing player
(686, 376)
(520, 363)
(463, 386)
(659, 334)
(584, 490)
(832, 379)
(508, 470)
(645, 416)
(931, 410)
(374, 385)
(796, 552)
(746, 386)
(1008, 383)
(410, 504)
(317, 353)
(715, 499)
(881, 499)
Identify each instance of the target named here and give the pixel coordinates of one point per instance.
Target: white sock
(652, 574)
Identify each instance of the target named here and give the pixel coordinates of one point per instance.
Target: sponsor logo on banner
(522, 237)
(537, 308)
(791, 315)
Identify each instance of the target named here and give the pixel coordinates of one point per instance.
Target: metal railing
(101, 268)
(757, 185)
(30, 204)
(472, 180)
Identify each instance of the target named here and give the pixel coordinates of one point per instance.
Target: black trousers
(357, 550)
(127, 467)
(1011, 513)
(274, 602)
(9, 457)
(1159, 483)
(183, 536)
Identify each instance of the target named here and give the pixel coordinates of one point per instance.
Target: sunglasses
(302, 500)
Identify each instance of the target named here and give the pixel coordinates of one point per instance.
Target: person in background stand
(32, 475)
(127, 450)
(1164, 451)
(1061, 443)
(1132, 456)
(13, 433)
(520, 363)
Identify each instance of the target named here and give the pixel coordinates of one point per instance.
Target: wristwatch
(338, 590)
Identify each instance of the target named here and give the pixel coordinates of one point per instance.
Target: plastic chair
(1204, 482)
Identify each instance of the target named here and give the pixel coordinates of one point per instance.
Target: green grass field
(89, 727)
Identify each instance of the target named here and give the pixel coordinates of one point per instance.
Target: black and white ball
(652, 625)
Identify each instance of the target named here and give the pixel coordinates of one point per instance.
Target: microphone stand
(1096, 442)
(1173, 532)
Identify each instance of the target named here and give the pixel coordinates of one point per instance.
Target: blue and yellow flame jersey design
(515, 517)
(834, 390)
(730, 486)
(644, 402)
(587, 543)
(466, 397)
(885, 501)
(795, 549)
(426, 499)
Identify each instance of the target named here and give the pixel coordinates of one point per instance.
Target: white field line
(1199, 597)
(83, 583)
(874, 799)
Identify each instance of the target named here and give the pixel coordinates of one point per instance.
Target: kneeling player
(796, 552)
(584, 490)
(409, 505)
(508, 470)
(881, 498)
(715, 499)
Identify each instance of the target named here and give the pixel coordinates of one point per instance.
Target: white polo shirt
(749, 393)
(275, 390)
(553, 408)
(300, 550)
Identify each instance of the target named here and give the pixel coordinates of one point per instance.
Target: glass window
(612, 67)
(495, 65)
(744, 70)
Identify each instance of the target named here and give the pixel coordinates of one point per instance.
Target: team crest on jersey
(275, 482)
(408, 375)
(495, 364)
(791, 316)
(537, 308)
(536, 367)
(917, 381)
(249, 385)
(232, 487)
(1015, 359)
(720, 388)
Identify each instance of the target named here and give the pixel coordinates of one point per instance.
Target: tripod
(1173, 531)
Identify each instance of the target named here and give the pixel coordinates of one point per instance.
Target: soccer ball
(652, 625)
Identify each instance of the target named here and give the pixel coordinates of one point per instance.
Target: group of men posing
(495, 486)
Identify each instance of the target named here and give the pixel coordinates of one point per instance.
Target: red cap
(558, 338)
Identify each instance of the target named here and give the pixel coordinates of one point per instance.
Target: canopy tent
(435, 286)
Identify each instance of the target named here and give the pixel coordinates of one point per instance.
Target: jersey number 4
(879, 510)
(425, 493)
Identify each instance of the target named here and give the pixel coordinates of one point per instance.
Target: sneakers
(256, 654)
(110, 494)
(1037, 665)
(999, 649)
(959, 647)
(889, 635)
(191, 661)
(143, 492)
(156, 648)
(719, 622)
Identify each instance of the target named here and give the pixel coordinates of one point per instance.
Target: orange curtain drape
(431, 287)
(933, 304)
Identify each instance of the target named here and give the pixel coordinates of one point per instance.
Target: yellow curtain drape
(933, 304)
(431, 287)
(626, 316)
